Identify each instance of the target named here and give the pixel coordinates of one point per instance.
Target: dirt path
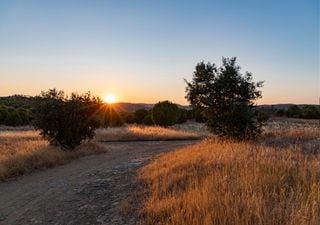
(86, 191)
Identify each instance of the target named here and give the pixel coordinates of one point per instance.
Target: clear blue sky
(142, 50)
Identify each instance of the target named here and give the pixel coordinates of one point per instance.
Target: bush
(183, 117)
(128, 117)
(310, 112)
(294, 111)
(165, 113)
(24, 115)
(109, 117)
(66, 121)
(280, 112)
(148, 120)
(13, 118)
(14, 115)
(226, 99)
(3, 114)
(139, 115)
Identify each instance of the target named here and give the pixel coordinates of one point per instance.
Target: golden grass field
(145, 133)
(275, 180)
(23, 150)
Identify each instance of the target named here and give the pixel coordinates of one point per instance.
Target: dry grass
(25, 151)
(143, 133)
(223, 182)
(284, 133)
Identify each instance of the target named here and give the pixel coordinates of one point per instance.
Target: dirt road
(89, 190)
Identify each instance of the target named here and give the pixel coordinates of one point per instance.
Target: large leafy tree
(226, 98)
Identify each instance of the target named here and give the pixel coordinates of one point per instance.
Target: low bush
(139, 115)
(109, 117)
(305, 112)
(148, 120)
(11, 116)
(66, 121)
(165, 113)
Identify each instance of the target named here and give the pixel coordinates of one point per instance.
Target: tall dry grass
(222, 182)
(144, 133)
(25, 151)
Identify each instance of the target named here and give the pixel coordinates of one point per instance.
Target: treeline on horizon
(18, 110)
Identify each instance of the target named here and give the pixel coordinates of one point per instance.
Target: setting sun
(110, 98)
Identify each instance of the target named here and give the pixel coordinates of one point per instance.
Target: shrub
(66, 121)
(24, 115)
(280, 112)
(226, 99)
(139, 115)
(3, 114)
(110, 117)
(294, 111)
(183, 117)
(13, 118)
(148, 120)
(128, 117)
(310, 112)
(165, 113)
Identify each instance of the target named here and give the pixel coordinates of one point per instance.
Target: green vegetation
(165, 113)
(305, 112)
(109, 117)
(140, 114)
(15, 116)
(226, 99)
(67, 121)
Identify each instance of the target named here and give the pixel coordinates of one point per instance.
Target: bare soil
(91, 190)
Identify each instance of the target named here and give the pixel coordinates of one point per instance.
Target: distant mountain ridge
(131, 107)
(283, 106)
(124, 106)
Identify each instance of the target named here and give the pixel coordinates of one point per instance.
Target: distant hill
(18, 101)
(131, 107)
(29, 101)
(283, 106)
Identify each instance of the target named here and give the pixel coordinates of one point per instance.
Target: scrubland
(23, 150)
(273, 180)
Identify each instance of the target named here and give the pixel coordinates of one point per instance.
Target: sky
(141, 51)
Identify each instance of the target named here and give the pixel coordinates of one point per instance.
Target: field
(275, 180)
(272, 180)
(149, 133)
(23, 150)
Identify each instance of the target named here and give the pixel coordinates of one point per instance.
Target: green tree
(165, 113)
(183, 117)
(226, 98)
(148, 120)
(66, 121)
(13, 118)
(280, 112)
(139, 115)
(110, 117)
(128, 117)
(294, 111)
(310, 112)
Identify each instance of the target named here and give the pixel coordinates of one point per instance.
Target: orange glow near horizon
(110, 99)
